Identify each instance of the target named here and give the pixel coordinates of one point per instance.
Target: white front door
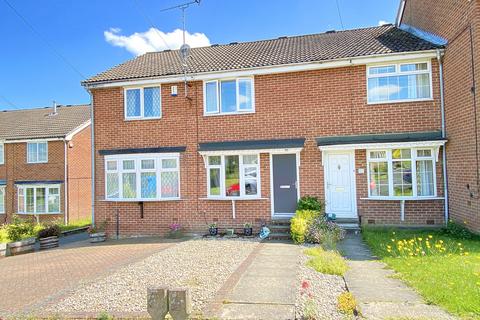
(340, 194)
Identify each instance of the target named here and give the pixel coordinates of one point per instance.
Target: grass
(328, 262)
(446, 271)
(76, 224)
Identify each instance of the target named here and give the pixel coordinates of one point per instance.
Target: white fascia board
(251, 151)
(339, 63)
(77, 130)
(384, 145)
(33, 140)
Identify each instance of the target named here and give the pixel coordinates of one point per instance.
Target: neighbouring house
(455, 24)
(352, 117)
(45, 166)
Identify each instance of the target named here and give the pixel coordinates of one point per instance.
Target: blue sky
(96, 35)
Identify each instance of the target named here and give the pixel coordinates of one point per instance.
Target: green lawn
(76, 224)
(443, 269)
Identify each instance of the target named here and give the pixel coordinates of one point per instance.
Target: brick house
(455, 24)
(45, 167)
(352, 117)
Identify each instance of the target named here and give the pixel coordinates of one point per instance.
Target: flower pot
(175, 234)
(23, 246)
(213, 231)
(3, 250)
(247, 231)
(48, 243)
(98, 237)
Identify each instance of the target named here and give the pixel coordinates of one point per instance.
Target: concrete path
(263, 287)
(379, 294)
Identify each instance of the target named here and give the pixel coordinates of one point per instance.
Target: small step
(280, 222)
(279, 236)
(279, 228)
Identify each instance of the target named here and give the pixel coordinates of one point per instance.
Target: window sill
(400, 101)
(232, 199)
(38, 213)
(37, 162)
(402, 198)
(227, 113)
(142, 119)
(141, 200)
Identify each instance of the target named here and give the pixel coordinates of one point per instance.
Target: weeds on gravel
(104, 316)
(346, 303)
(328, 262)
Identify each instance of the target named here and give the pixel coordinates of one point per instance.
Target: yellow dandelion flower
(419, 239)
(430, 236)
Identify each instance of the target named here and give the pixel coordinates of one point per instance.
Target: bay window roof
(381, 138)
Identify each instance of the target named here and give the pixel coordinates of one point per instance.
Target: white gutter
(294, 67)
(444, 151)
(65, 211)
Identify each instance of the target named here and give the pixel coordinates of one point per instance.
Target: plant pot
(23, 246)
(98, 237)
(213, 231)
(247, 231)
(3, 249)
(48, 242)
(177, 234)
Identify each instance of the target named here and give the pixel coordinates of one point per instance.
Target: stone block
(180, 303)
(157, 302)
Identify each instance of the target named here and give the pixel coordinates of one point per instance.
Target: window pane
(42, 152)
(129, 185)
(413, 67)
(228, 95)
(128, 164)
(32, 152)
(211, 97)
(149, 185)
(250, 159)
(250, 178)
(170, 184)
(169, 163)
(133, 103)
(378, 154)
(151, 102)
(232, 181)
(384, 69)
(214, 181)
(404, 87)
(112, 186)
(53, 200)
(425, 186)
(402, 178)
(214, 160)
(2, 160)
(2, 199)
(401, 153)
(378, 179)
(245, 94)
(40, 196)
(424, 153)
(111, 165)
(148, 164)
(21, 200)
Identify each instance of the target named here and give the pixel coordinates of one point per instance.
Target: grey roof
(142, 150)
(252, 144)
(281, 51)
(40, 123)
(381, 138)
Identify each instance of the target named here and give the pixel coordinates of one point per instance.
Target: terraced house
(352, 117)
(45, 162)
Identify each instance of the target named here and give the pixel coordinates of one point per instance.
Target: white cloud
(382, 22)
(154, 40)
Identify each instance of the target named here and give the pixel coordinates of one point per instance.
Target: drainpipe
(65, 211)
(444, 135)
(92, 128)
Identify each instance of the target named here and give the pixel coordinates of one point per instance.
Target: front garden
(442, 265)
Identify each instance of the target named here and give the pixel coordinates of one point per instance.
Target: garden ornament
(264, 232)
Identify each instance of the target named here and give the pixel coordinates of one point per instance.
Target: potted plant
(21, 232)
(247, 229)
(48, 237)
(97, 233)
(175, 231)
(213, 229)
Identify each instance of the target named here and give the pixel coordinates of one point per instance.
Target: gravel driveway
(201, 265)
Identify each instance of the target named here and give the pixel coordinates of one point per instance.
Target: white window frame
(218, 111)
(241, 169)
(397, 73)
(142, 106)
(22, 188)
(2, 153)
(157, 157)
(37, 143)
(3, 192)
(414, 159)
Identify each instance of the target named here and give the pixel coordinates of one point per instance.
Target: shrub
(300, 222)
(324, 232)
(50, 231)
(310, 203)
(457, 230)
(20, 229)
(328, 262)
(346, 303)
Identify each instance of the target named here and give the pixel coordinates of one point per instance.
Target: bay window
(231, 176)
(228, 96)
(2, 199)
(37, 152)
(143, 103)
(142, 177)
(399, 82)
(39, 199)
(401, 172)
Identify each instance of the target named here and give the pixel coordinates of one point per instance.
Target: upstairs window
(2, 153)
(399, 82)
(143, 103)
(37, 152)
(228, 96)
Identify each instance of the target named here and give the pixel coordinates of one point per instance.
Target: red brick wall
(458, 22)
(17, 168)
(80, 176)
(304, 104)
